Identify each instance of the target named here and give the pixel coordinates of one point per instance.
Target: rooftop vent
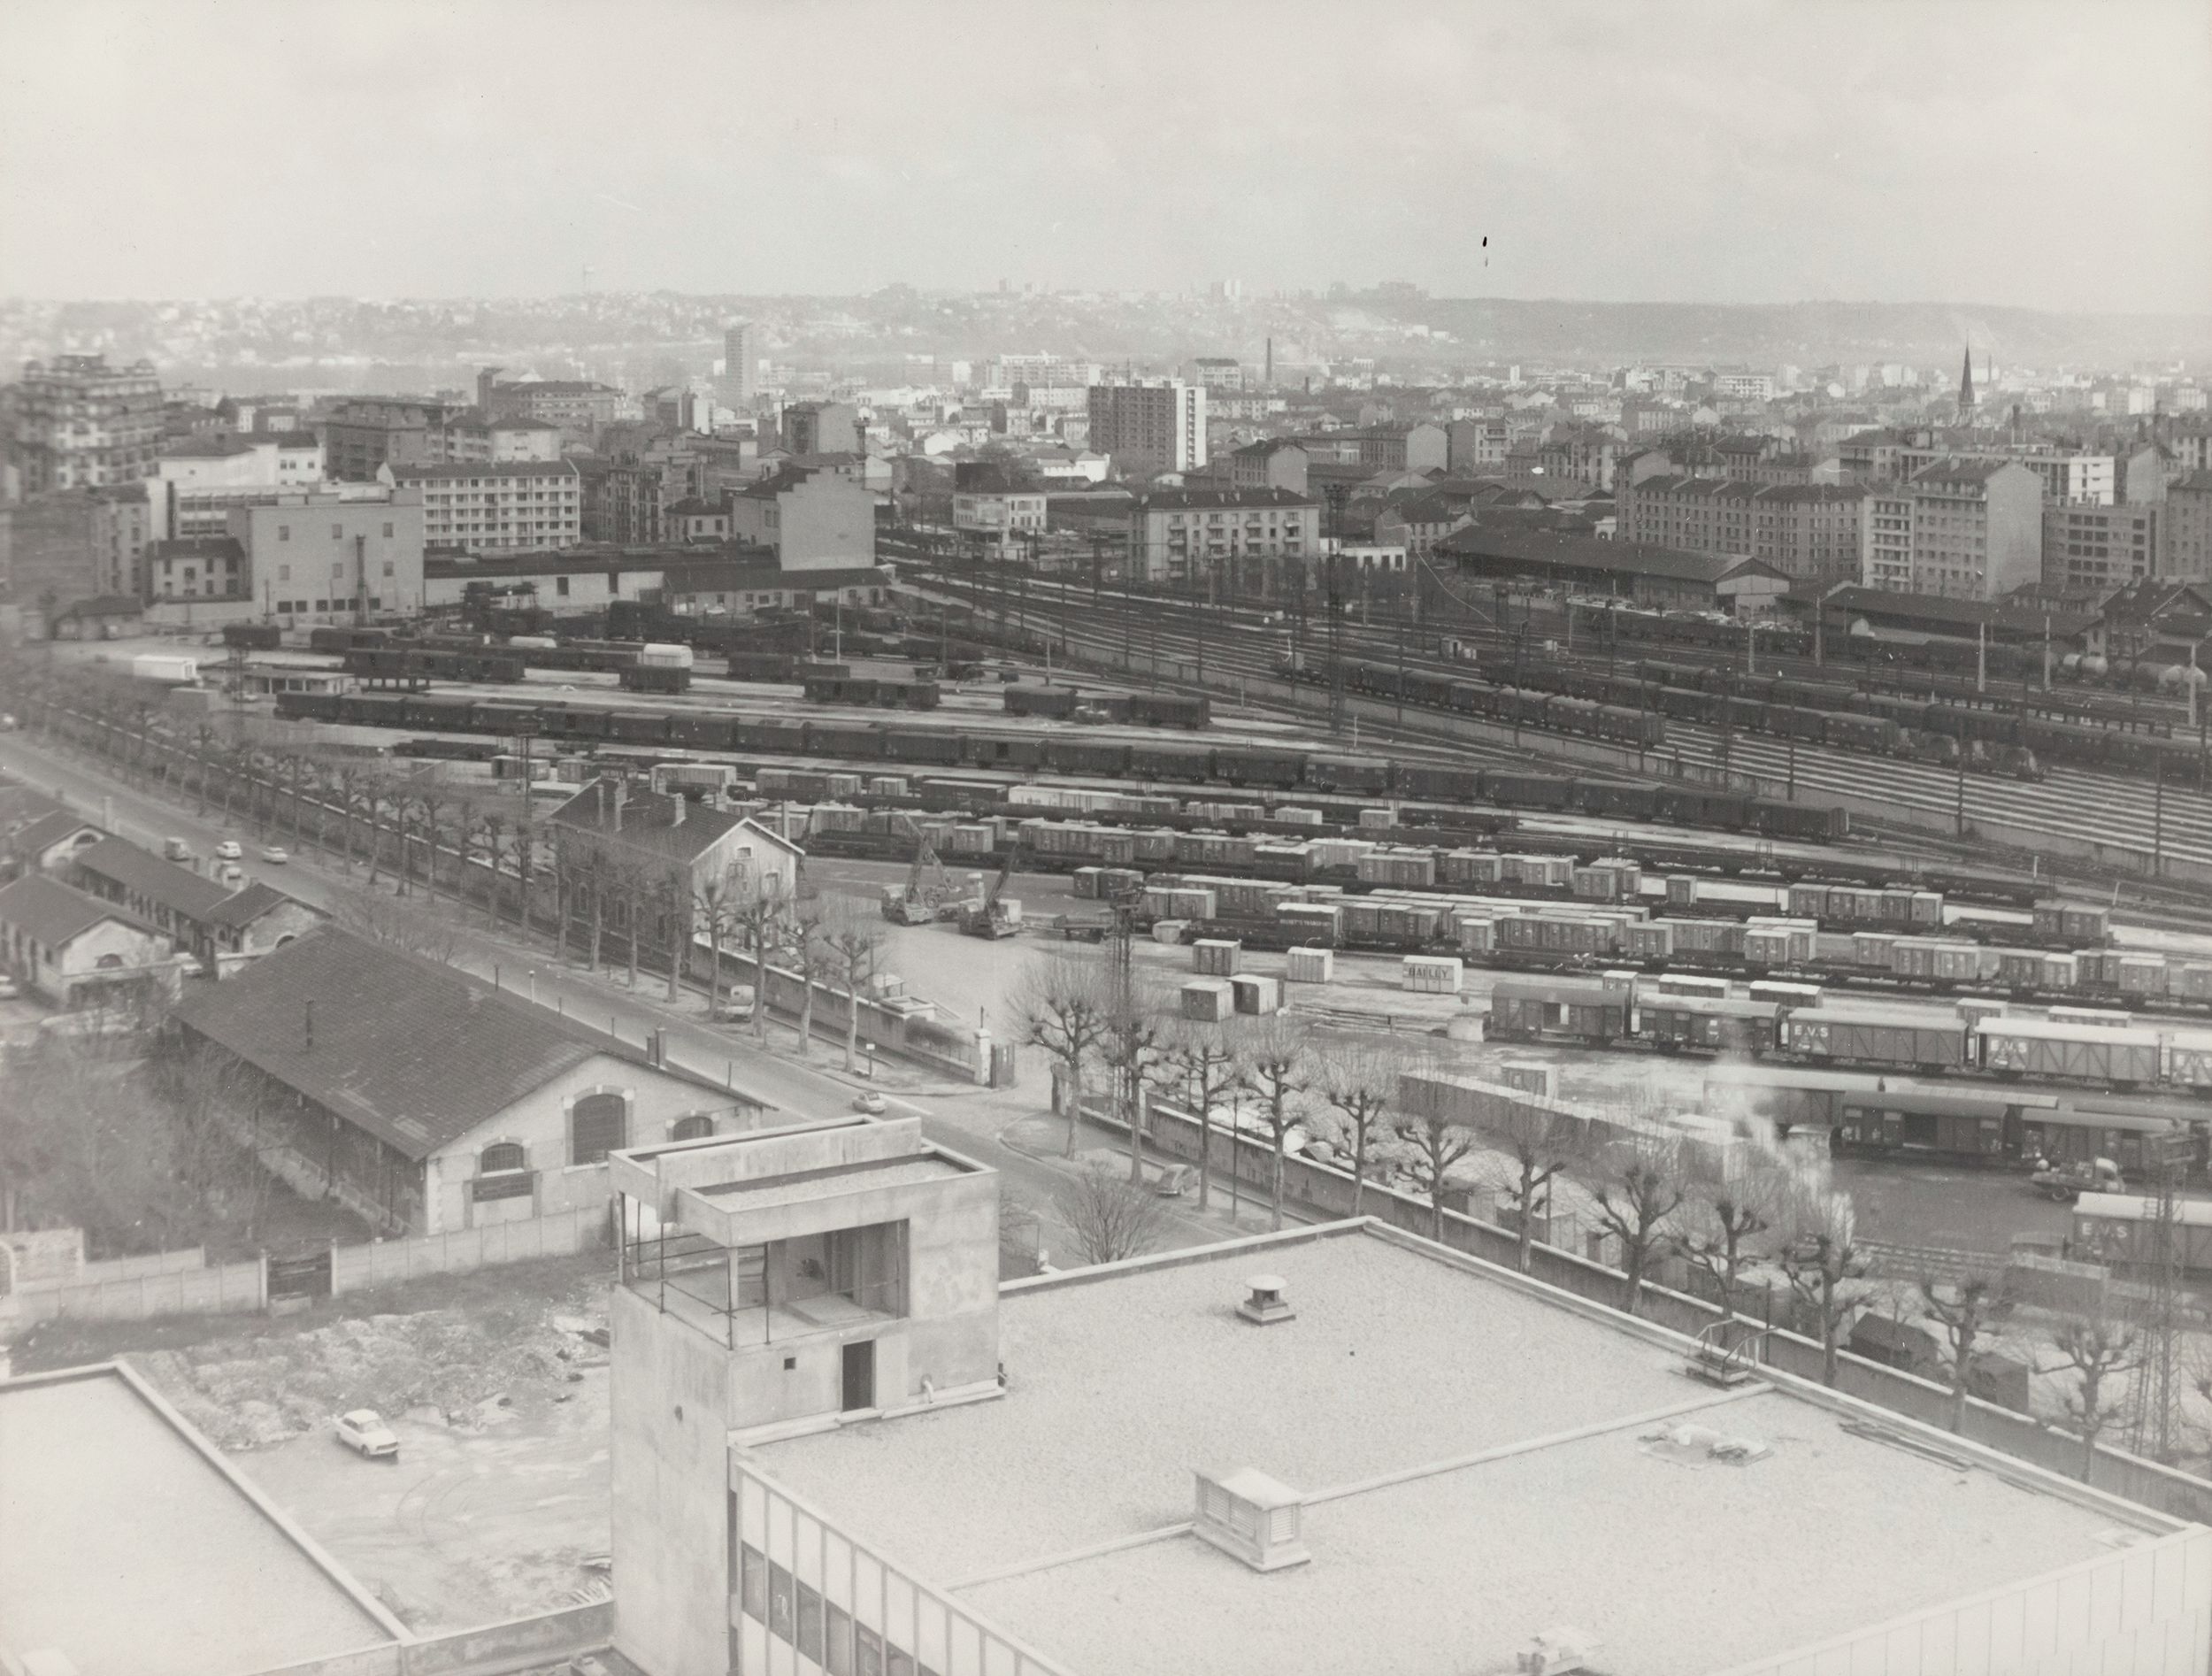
(1251, 1516)
(1265, 1305)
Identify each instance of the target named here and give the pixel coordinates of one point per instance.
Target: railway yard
(1658, 937)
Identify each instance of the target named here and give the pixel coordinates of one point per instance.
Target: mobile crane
(927, 895)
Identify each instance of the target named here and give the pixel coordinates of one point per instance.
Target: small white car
(8, 988)
(276, 855)
(228, 851)
(364, 1431)
(871, 1102)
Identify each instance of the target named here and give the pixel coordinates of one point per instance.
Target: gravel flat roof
(126, 1549)
(1120, 1388)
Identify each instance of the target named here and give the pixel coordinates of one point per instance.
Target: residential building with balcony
(2091, 547)
(991, 509)
(527, 506)
(1815, 533)
(79, 423)
(1977, 528)
(2186, 529)
(365, 434)
(1242, 536)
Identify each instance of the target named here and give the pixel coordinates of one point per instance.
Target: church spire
(1966, 385)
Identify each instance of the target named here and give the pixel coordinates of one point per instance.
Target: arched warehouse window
(500, 1157)
(697, 1126)
(595, 1125)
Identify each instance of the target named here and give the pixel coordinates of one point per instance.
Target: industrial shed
(1666, 577)
(429, 1101)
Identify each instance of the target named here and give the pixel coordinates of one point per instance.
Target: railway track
(2174, 822)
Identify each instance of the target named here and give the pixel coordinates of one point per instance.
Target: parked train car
(869, 690)
(1558, 1010)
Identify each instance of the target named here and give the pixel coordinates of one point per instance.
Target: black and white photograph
(1106, 838)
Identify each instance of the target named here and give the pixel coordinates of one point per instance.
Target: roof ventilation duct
(1265, 1305)
(1253, 1517)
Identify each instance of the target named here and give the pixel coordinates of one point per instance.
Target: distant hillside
(1810, 333)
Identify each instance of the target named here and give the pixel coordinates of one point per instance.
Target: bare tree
(758, 917)
(1437, 1143)
(1110, 1219)
(1359, 1084)
(1207, 1066)
(803, 947)
(1132, 1047)
(851, 947)
(1634, 1207)
(2096, 1351)
(368, 912)
(1064, 1003)
(1965, 1317)
(1731, 1215)
(1824, 1264)
(714, 902)
(1278, 1070)
(1540, 1144)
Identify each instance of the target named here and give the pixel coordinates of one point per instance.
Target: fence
(163, 1285)
(145, 1289)
(516, 1644)
(965, 1054)
(384, 1262)
(1320, 1191)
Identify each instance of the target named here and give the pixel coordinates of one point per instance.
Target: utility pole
(2158, 818)
(1959, 812)
(1981, 657)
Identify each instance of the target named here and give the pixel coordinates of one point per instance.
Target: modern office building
(81, 424)
(842, 1445)
(1148, 429)
(524, 506)
(741, 365)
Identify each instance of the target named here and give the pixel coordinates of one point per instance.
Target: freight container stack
(1470, 868)
(1310, 965)
(1608, 878)
(1208, 1000)
(1256, 996)
(1407, 869)
(1161, 903)
(1312, 922)
(1547, 872)
(1217, 957)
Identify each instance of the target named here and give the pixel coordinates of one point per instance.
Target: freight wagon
(1539, 1009)
(1897, 1041)
(1707, 1024)
(2071, 1052)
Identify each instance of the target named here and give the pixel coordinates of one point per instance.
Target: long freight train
(1601, 1013)
(1074, 752)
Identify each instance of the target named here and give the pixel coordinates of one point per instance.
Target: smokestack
(677, 803)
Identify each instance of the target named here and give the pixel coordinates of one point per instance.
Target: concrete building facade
(741, 365)
(2090, 546)
(1175, 535)
(1149, 429)
(1818, 533)
(1977, 528)
(812, 518)
(2186, 554)
(527, 506)
(81, 424)
(332, 558)
(822, 428)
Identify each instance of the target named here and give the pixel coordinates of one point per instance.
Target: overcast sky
(2054, 155)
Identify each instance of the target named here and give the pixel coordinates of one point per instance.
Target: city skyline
(1729, 153)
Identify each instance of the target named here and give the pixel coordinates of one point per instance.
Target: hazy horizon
(2039, 154)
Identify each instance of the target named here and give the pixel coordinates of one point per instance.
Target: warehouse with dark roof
(1666, 577)
(427, 1100)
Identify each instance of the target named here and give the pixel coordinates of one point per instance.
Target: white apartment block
(196, 481)
(527, 506)
(1977, 528)
(1146, 429)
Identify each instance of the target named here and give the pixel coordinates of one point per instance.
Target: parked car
(364, 1431)
(229, 850)
(736, 1005)
(8, 988)
(1175, 1179)
(873, 1104)
(276, 855)
(175, 850)
(230, 873)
